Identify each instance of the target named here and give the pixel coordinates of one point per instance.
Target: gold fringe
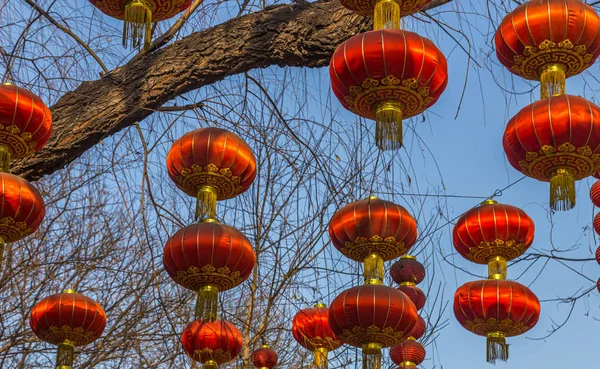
(387, 15)
(65, 355)
(562, 190)
(497, 268)
(373, 269)
(553, 81)
(138, 18)
(207, 303)
(320, 359)
(388, 126)
(210, 364)
(497, 348)
(4, 159)
(371, 356)
(206, 204)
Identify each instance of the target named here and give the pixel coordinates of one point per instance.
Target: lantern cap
(210, 220)
(489, 202)
(320, 305)
(373, 197)
(265, 346)
(407, 256)
(69, 290)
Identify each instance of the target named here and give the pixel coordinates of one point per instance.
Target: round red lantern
(387, 13)
(211, 164)
(373, 231)
(208, 257)
(264, 357)
(496, 309)
(372, 317)
(25, 124)
(68, 320)
(414, 293)
(598, 285)
(419, 330)
(139, 15)
(211, 343)
(310, 328)
(408, 353)
(493, 233)
(595, 193)
(556, 140)
(597, 223)
(407, 269)
(388, 75)
(548, 41)
(598, 255)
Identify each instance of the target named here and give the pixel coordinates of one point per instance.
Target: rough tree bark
(287, 35)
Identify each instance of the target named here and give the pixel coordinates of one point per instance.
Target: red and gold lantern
(408, 354)
(373, 231)
(139, 15)
(264, 358)
(548, 41)
(372, 317)
(386, 13)
(496, 309)
(211, 343)
(211, 164)
(407, 269)
(388, 75)
(68, 320)
(311, 329)
(595, 194)
(207, 258)
(557, 140)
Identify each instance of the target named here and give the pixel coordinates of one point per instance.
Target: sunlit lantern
(211, 343)
(264, 357)
(311, 329)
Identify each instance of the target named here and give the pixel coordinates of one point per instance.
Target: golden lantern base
(206, 203)
(497, 268)
(497, 348)
(138, 19)
(207, 303)
(371, 356)
(65, 355)
(387, 15)
(562, 190)
(320, 358)
(4, 159)
(373, 269)
(388, 126)
(553, 81)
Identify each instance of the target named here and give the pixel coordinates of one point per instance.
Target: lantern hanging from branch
(68, 320)
(211, 343)
(408, 354)
(264, 358)
(211, 164)
(139, 15)
(311, 329)
(388, 75)
(549, 41)
(557, 140)
(386, 13)
(373, 231)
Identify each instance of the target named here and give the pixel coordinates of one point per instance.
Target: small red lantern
(372, 317)
(388, 75)
(598, 255)
(68, 320)
(208, 257)
(373, 231)
(414, 293)
(407, 269)
(496, 309)
(556, 140)
(387, 13)
(211, 164)
(548, 41)
(598, 285)
(25, 124)
(420, 328)
(264, 357)
(312, 331)
(595, 193)
(409, 353)
(211, 343)
(597, 223)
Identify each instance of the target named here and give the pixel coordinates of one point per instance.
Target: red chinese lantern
(414, 293)
(556, 140)
(68, 320)
(25, 124)
(388, 75)
(548, 41)
(22, 209)
(595, 193)
(419, 330)
(311, 329)
(139, 15)
(386, 13)
(409, 353)
(264, 357)
(373, 231)
(208, 257)
(597, 223)
(407, 269)
(493, 233)
(211, 164)
(496, 309)
(598, 285)
(598, 255)
(372, 317)
(211, 343)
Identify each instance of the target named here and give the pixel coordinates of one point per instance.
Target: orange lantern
(311, 329)
(408, 354)
(68, 320)
(548, 41)
(386, 13)
(211, 164)
(264, 358)
(211, 343)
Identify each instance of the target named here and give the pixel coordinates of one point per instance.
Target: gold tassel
(562, 190)
(138, 18)
(553, 81)
(373, 269)
(206, 203)
(210, 364)
(497, 268)
(207, 303)
(2, 244)
(388, 126)
(371, 356)
(4, 159)
(497, 348)
(65, 355)
(320, 358)
(387, 14)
